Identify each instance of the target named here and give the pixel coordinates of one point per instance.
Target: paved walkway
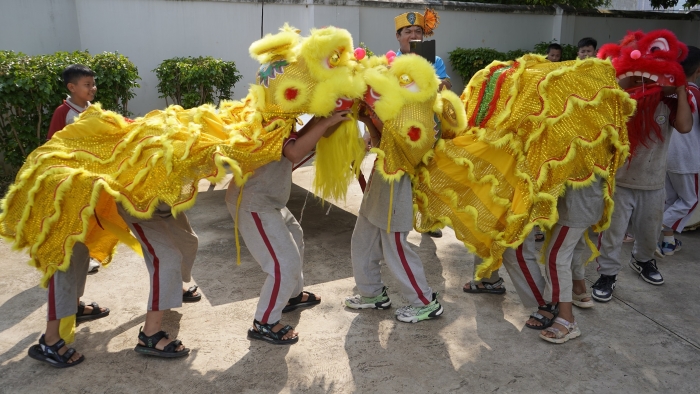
(647, 339)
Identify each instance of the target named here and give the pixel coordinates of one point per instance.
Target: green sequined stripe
(490, 90)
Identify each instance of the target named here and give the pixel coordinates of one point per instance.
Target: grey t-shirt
(647, 169)
(581, 207)
(375, 203)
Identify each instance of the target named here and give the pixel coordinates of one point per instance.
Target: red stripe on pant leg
(155, 283)
(553, 262)
(528, 276)
(52, 300)
(677, 223)
(406, 268)
(278, 275)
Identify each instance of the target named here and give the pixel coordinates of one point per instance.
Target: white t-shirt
(684, 149)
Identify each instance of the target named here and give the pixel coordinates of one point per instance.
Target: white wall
(149, 31)
(39, 26)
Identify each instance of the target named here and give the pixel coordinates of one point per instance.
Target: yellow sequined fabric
(535, 128)
(68, 188)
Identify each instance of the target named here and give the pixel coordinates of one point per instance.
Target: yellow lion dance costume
(534, 128)
(68, 189)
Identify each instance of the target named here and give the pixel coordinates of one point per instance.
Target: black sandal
(189, 296)
(49, 354)
(296, 302)
(264, 332)
(94, 315)
(546, 321)
(150, 348)
(489, 288)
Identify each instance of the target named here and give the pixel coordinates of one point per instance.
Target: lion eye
(334, 60)
(660, 44)
(405, 79)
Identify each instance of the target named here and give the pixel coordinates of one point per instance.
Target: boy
(80, 82)
(411, 26)
(169, 248)
(682, 167)
(371, 243)
(554, 52)
(587, 48)
(66, 288)
(272, 234)
(639, 195)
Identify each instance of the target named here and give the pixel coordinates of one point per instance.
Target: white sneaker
(93, 267)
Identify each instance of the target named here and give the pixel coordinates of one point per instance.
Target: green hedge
(31, 88)
(466, 62)
(191, 82)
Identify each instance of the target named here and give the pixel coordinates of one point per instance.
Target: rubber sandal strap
(190, 292)
(170, 348)
(151, 341)
(266, 330)
(492, 286)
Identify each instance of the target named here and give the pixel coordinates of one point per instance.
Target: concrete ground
(647, 339)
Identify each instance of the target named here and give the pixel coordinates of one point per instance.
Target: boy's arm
(374, 134)
(684, 116)
(310, 134)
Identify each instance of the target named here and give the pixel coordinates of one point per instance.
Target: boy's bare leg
(534, 322)
(51, 336)
(154, 320)
(566, 312)
(580, 288)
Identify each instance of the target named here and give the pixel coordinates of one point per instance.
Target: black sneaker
(603, 288)
(435, 234)
(648, 271)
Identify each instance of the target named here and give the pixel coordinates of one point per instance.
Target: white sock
(670, 239)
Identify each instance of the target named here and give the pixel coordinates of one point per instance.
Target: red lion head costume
(644, 64)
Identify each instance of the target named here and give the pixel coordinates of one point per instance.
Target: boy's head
(80, 82)
(691, 64)
(554, 52)
(587, 47)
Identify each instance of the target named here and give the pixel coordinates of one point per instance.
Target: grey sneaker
(413, 314)
(381, 301)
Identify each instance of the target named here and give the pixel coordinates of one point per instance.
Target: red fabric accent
(52, 300)
(554, 276)
(641, 126)
(406, 268)
(481, 95)
(290, 94)
(678, 222)
(278, 275)
(528, 275)
(414, 133)
(497, 94)
(58, 120)
(155, 283)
